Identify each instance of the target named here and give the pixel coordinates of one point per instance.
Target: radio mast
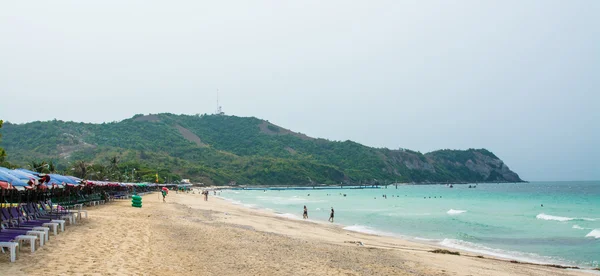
(219, 109)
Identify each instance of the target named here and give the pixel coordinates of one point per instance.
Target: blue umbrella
(66, 180)
(22, 175)
(13, 180)
(77, 179)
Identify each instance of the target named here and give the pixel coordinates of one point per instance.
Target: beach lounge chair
(30, 221)
(20, 237)
(40, 235)
(12, 246)
(58, 214)
(78, 209)
(34, 214)
(40, 232)
(32, 225)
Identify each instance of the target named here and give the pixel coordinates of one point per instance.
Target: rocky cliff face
(481, 162)
(491, 169)
(473, 165)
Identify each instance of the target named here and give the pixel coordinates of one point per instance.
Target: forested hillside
(220, 149)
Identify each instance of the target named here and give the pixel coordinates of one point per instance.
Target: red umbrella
(5, 185)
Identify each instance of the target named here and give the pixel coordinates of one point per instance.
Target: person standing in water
(331, 216)
(305, 215)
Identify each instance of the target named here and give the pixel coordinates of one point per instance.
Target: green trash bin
(136, 201)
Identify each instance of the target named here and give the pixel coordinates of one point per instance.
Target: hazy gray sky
(520, 78)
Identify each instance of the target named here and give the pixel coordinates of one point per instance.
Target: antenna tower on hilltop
(219, 108)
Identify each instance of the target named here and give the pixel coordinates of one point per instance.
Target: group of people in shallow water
(206, 192)
(305, 214)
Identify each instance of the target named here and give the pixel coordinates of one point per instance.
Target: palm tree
(113, 168)
(81, 169)
(51, 167)
(40, 167)
(2, 155)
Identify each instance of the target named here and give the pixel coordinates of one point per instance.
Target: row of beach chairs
(33, 223)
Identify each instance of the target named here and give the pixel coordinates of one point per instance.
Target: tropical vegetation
(219, 149)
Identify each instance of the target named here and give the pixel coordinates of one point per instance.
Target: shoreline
(345, 186)
(189, 236)
(434, 243)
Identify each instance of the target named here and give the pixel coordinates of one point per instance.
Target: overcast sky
(520, 78)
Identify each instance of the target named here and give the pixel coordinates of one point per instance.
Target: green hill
(219, 149)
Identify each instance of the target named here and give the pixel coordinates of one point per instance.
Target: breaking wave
(455, 212)
(558, 218)
(594, 234)
(368, 230)
(504, 254)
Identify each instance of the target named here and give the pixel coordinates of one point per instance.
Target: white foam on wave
(578, 227)
(455, 212)
(504, 254)
(424, 239)
(550, 217)
(368, 230)
(594, 234)
(558, 218)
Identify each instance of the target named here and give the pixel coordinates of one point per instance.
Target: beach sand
(188, 236)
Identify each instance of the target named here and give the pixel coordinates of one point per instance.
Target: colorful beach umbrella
(5, 185)
(11, 179)
(24, 176)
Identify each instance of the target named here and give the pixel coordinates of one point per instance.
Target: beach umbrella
(64, 179)
(24, 176)
(13, 180)
(77, 179)
(5, 185)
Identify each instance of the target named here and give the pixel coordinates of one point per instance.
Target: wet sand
(188, 236)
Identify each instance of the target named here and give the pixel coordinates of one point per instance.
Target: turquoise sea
(505, 220)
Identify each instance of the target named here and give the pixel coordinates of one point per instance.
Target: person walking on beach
(164, 194)
(305, 215)
(331, 216)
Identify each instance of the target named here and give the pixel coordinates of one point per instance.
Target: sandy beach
(188, 236)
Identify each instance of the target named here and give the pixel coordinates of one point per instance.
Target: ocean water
(504, 220)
